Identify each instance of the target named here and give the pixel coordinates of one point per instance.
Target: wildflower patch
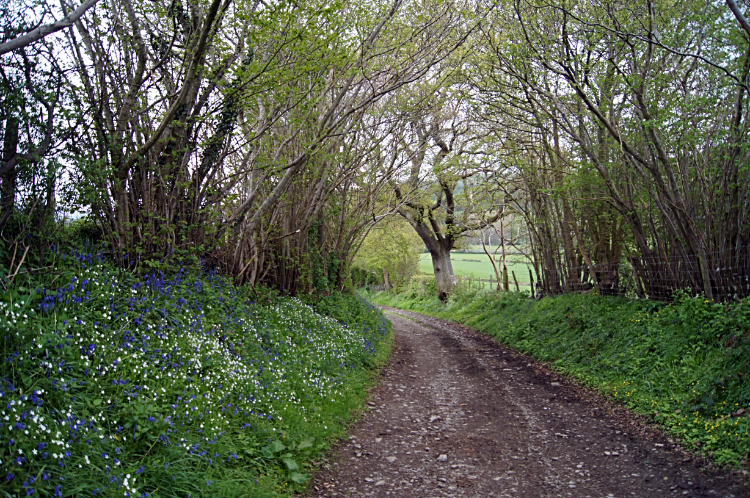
(175, 384)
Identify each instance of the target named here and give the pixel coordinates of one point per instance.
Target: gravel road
(456, 414)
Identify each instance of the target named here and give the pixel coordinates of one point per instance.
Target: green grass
(174, 384)
(478, 265)
(685, 364)
(480, 249)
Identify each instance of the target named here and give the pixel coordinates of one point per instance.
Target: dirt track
(456, 414)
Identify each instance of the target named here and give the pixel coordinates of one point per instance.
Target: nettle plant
(115, 386)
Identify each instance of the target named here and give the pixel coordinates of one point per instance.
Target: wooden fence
(470, 281)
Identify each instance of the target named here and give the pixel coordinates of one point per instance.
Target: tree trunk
(506, 287)
(445, 280)
(10, 149)
(439, 247)
(488, 252)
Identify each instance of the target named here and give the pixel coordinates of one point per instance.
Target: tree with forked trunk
(450, 192)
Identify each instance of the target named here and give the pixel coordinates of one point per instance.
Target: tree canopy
(269, 138)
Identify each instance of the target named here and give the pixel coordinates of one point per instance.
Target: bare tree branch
(42, 31)
(738, 14)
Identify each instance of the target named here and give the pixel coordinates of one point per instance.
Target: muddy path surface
(456, 414)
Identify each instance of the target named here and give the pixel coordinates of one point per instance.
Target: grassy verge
(176, 384)
(686, 364)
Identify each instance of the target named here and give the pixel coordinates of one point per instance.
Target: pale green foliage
(392, 246)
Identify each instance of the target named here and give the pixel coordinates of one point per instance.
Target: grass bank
(686, 364)
(174, 384)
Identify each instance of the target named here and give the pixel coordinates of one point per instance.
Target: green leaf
(298, 478)
(277, 446)
(306, 443)
(98, 401)
(290, 464)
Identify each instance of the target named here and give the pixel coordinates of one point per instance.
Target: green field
(480, 249)
(478, 265)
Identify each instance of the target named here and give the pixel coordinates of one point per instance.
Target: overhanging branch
(38, 33)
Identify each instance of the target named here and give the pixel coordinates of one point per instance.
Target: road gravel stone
(458, 415)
